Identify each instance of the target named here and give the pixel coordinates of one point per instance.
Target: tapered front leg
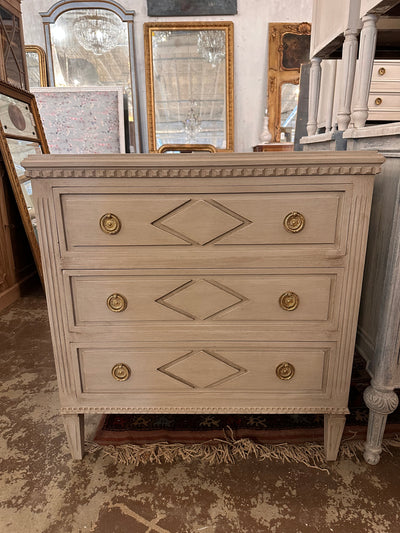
(74, 428)
(333, 431)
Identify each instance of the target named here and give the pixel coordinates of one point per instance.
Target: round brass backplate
(117, 303)
(121, 372)
(294, 222)
(110, 224)
(289, 301)
(285, 371)
(381, 71)
(378, 101)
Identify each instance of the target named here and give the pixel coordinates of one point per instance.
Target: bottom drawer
(285, 368)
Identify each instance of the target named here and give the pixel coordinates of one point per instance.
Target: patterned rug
(294, 428)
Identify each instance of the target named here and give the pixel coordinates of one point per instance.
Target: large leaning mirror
(289, 47)
(90, 43)
(21, 134)
(189, 83)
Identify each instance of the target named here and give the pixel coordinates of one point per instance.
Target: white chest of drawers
(204, 282)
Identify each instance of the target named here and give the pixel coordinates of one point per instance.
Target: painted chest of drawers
(203, 282)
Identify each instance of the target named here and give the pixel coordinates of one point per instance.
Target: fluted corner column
(364, 70)
(380, 404)
(313, 99)
(349, 59)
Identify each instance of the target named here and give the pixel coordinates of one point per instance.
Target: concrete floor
(43, 491)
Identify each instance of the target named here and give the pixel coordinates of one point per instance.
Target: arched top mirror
(189, 84)
(90, 43)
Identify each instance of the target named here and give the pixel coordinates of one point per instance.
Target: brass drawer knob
(378, 101)
(294, 222)
(110, 224)
(117, 303)
(289, 301)
(121, 372)
(381, 71)
(285, 371)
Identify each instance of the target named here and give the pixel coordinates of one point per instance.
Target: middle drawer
(288, 297)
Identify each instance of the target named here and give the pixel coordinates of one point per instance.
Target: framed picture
(82, 120)
(21, 134)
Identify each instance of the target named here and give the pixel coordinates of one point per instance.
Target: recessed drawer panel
(384, 105)
(109, 221)
(386, 71)
(105, 299)
(196, 370)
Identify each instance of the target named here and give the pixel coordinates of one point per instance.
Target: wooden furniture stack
(203, 283)
(16, 262)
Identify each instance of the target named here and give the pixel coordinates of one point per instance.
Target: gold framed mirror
(288, 48)
(189, 84)
(36, 65)
(21, 134)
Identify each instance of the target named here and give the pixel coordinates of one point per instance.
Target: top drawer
(101, 222)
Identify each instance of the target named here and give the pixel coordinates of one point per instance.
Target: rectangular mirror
(189, 84)
(21, 134)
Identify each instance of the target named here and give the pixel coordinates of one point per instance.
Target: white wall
(250, 53)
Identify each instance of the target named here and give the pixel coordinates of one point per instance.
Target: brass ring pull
(378, 101)
(110, 224)
(381, 71)
(121, 372)
(117, 303)
(294, 222)
(289, 301)
(285, 371)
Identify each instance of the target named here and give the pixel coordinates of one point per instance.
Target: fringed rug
(159, 438)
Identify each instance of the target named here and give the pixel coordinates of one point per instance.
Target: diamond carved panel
(201, 222)
(202, 369)
(201, 299)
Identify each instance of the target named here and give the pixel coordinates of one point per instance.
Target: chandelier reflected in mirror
(192, 123)
(211, 45)
(98, 32)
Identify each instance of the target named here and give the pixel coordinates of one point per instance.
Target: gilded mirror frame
(21, 113)
(42, 65)
(278, 73)
(225, 26)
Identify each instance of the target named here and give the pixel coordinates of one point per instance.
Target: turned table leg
(380, 404)
(75, 434)
(333, 431)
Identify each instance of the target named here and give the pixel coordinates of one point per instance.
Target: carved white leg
(313, 98)
(74, 429)
(349, 58)
(333, 431)
(380, 404)
(364, 70)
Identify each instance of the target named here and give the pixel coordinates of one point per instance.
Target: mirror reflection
(189, 86)
(19, 149)
(289, 100)
(36, 66)
(93, 47)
